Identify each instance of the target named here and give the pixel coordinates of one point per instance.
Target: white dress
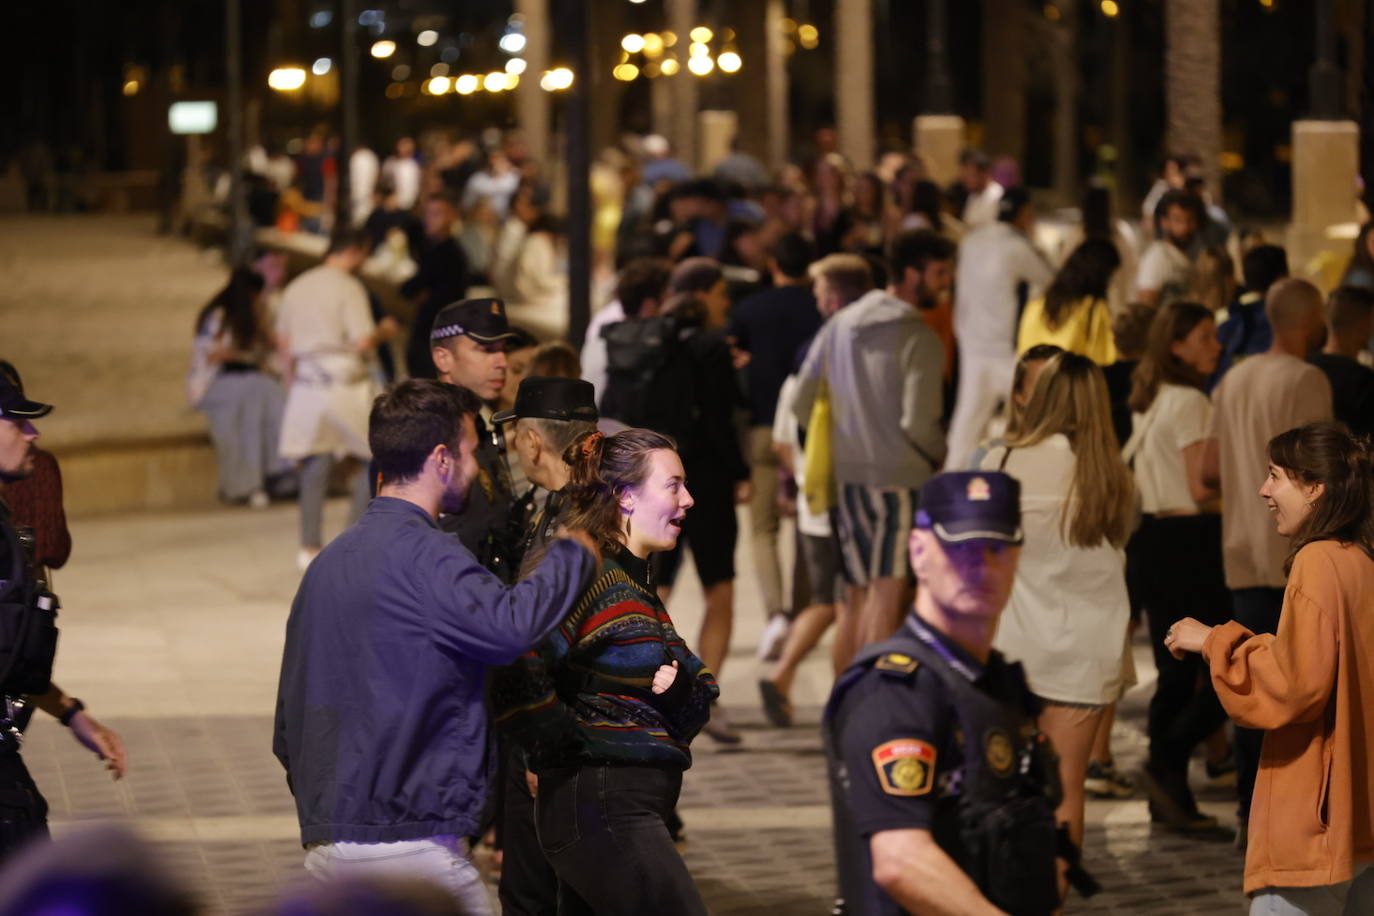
(324, 313)
(1066, 620)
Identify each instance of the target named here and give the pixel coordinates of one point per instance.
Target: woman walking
(1311, 831)
(608, 708)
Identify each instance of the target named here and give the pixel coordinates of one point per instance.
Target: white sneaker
(305, 556)
(774, 636)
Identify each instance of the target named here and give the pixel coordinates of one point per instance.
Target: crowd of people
(1001, 461)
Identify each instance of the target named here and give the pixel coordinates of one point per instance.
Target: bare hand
(532, 783)
(579, 536)
(740, 357)
(664, 677)
(744, 491)
(105, 743)
(1187, 635)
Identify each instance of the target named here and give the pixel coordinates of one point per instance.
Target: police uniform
(28, 644)
(922, 735)
(493, 520)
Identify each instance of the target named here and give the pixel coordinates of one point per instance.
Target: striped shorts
(874, 524)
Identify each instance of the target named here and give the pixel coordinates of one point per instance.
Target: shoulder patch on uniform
(905, 766)
(897, 662)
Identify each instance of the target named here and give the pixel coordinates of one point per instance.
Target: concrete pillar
(939, 139)
(1326, 158)
(682, 16)
(715, 130)
(762, 83)
(532, 102)
(854, 122)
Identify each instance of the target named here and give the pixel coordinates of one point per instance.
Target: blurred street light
(400, 72)
(729, 62)
(557, 79)
(632, 43)
(384, 48)
(426, 38)
(496, 81)
(286, 79)
(439, 69)
(625, 72)
(512, 42)
(669, 39)
(701, 33)
(653, 44)
(698, 48)
(808, 36)
(466, 84)
(516, 66)
(670, 66)
(1110, 8)
(701, 64)
(131, 87)
(322, 66)
(438, 85)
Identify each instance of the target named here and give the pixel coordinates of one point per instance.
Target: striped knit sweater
(584, 695)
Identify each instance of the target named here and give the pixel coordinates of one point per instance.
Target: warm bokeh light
(701, 64)
(556, 79)
(438, 85)
(653, 44)
(131, 87)
(670, 66)
(322, 66)
(1110, 8)
(729, 62)
(516, 66)
(512, 42)
(439, 69)
(384, 48)
(395, 91)
(286, 79)
(426, 38)
(701, 33)
(400, 72)
(495, 81)
(808, 36)
(466, 84)
(632, 43)
(698, 48)
(625, 72)
(669, 39)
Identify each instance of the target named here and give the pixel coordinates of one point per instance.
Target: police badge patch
(998, 748)
(905, 766)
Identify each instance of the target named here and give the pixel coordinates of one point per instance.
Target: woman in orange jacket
(1311, 834)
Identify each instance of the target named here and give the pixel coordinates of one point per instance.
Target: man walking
(1261, 397)
(884, 370)
(1165, 264)
(381, 719)
(999, 270)
(770, 327)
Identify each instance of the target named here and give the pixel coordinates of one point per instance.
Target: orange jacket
(1312, 817)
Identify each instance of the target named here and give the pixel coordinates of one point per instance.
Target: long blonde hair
(1070, 397)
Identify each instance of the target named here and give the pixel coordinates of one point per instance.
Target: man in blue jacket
(381, 722)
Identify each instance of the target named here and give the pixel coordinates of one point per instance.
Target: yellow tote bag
(818, 464)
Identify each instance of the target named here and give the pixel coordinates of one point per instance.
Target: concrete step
(168, 472)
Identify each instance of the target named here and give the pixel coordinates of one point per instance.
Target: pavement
(172, 628)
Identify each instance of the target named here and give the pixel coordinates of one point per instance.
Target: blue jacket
(381, 721)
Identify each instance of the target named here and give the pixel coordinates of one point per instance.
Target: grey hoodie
(885, 368)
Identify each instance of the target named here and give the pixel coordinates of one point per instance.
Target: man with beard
(883, 366)
(1165, 264)
(381, 716)
(1000, 270)
(28, 608)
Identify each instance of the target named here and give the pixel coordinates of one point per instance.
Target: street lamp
(286, 79)
(383, 49)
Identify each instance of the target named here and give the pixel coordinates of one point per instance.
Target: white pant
(983, 381)
(441, 860)
(1349, 898)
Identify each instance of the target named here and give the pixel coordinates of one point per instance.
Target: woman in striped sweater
(606, 708)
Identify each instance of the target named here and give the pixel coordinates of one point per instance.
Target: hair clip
(589, 444)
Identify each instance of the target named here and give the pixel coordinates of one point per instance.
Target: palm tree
(1192, 66)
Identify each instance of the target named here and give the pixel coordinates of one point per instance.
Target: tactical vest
(1008, 787)
(28, 627)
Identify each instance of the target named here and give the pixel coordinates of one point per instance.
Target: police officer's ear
(443, 359)
(918, 550)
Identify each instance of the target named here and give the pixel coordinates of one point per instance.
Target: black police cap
(481, 319)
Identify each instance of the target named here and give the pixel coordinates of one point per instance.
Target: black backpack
(651, 376)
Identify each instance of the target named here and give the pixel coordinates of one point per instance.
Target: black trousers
(1177, 572)
(1256, 609)
(528, 885)
(23, 810)
(603, 828)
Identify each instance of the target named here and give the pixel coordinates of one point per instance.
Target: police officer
(468, 345)
(28, 642)
(550, 414)
(944, 792)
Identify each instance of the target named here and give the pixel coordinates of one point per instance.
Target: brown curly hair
(603, 468)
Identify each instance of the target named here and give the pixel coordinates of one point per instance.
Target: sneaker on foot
(774, 635)
(1103, 781)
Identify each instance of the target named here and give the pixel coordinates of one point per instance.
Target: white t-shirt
(981, 206)
(594, 356)
(1162, 265)
(1066, 619)
(994, 262)
(1178, 418)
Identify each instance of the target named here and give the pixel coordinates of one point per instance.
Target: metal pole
(348, 102)
(233, 49)
(939, 90)
(1325, 77)
(574, 36)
